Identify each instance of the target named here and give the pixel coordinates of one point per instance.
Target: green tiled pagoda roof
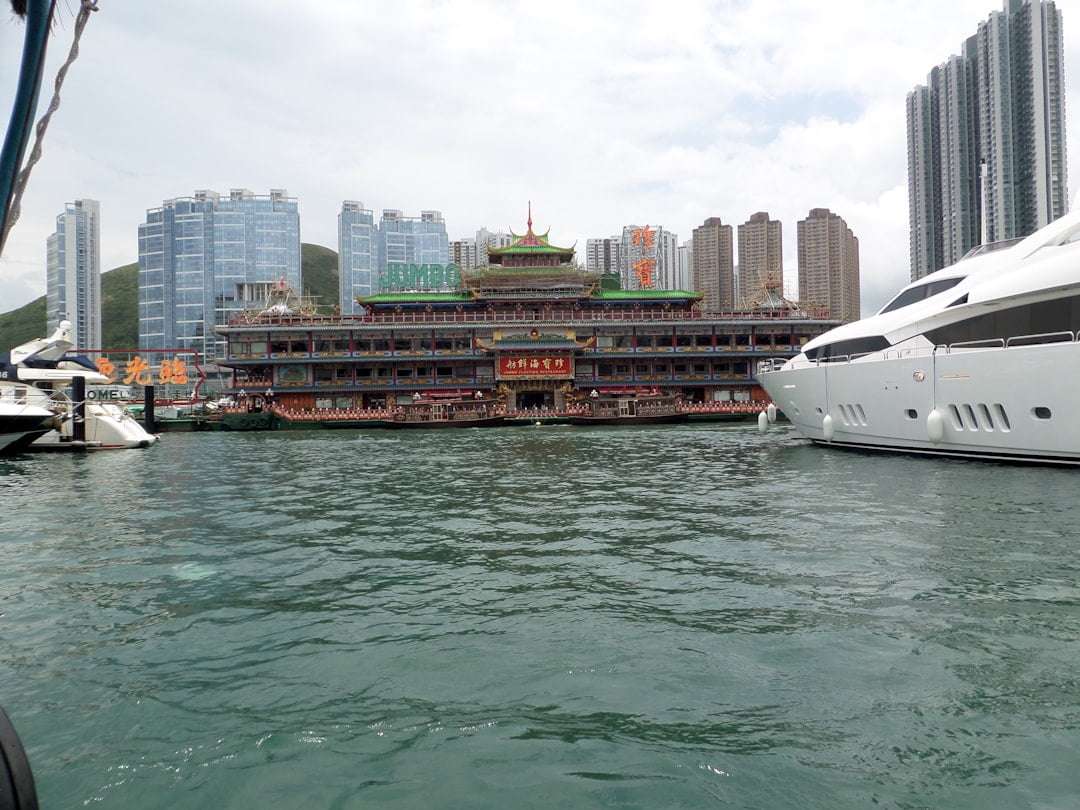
(544, 247)
(416, 298)
(529, 243)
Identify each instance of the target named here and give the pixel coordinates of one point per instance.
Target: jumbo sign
(400, 276)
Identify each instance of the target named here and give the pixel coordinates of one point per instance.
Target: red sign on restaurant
(535, 367)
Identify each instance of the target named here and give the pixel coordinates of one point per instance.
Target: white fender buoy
(771, 411)
(935, 426)
(762, 422)
(827, 427)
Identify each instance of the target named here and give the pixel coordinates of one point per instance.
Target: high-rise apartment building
(986, 138)
(465, 253)
(761, 259)
(73, 273)
(829, 265)
(206, 257)
(714, 265)
(412, 240)
(685, 278)
(490, 239)
(602, 255)
(357, 254)
(648, 258)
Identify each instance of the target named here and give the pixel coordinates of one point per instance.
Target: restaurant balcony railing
(466, 354)
(410, 384)
(544, 317)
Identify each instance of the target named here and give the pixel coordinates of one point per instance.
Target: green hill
(319, 269)
(120, 301)
(22, 324)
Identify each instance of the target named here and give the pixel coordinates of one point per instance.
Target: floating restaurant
(531, 328)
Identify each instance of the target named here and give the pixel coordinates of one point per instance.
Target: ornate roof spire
(530, 216)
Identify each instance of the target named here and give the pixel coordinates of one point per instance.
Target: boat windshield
(910, 296)
(982, 250)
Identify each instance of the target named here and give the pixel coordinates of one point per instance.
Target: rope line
(86, 8)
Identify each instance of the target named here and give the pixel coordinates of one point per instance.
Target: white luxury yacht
(980, 359)
(21, 424)
(34, 382)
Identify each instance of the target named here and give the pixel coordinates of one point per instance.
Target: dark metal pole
(148, 409)
(20, 126)
(78, 424)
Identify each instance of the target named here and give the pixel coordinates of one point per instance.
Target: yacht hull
(18, 432)
(107, 428)
(1014, 404)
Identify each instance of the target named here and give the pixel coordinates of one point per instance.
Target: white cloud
(601, 113)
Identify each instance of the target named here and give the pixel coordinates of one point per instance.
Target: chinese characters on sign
(644, 237)
(645, 267)
(173, 371)
(534, 367)
(138, 371)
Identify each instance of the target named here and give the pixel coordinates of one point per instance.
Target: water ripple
(670, 617)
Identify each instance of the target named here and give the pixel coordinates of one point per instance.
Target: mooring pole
(148, 409)
(78, 423)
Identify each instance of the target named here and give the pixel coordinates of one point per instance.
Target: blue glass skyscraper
(412, 240)
(357, 254)
(206, 257)
(73, 280)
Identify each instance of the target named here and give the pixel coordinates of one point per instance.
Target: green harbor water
(678, 617)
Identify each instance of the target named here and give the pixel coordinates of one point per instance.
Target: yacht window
(1071, 236)
(1046, 318)
(847, 348)
(910, 296)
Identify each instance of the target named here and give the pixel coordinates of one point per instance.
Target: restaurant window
(363, 373)
(684, 341)
(444, 371)
(703, 341)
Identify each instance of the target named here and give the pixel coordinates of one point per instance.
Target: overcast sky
(621, 112)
